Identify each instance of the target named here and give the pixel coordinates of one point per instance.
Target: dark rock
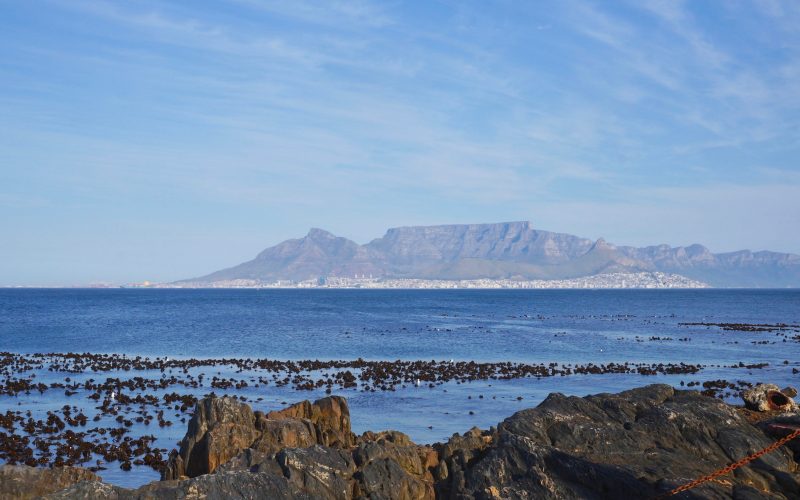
(249, 460)
(570, 447)
(320, 471)
(22, 482)
(379, 455)
(780, 426)
(385, 478)
(90, 490)
(456, 455)
(227, 485)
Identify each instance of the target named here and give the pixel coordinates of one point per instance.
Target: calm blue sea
(562, 326)
(518, 325)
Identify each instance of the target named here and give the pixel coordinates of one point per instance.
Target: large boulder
(635, 444)
(23, 482)
(219, 429)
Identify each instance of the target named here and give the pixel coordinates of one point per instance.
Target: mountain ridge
(507, 250)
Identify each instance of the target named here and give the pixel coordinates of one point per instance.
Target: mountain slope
(319, 253)
(505, 250)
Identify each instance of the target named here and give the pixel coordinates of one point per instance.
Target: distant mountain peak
(316, 233)
(506, 250)
(602, 244)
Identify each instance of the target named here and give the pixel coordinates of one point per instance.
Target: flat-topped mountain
(509, 250)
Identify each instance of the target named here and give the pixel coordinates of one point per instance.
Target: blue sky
(149, 140)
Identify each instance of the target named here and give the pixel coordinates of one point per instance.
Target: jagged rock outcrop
(329, 416)
(379, 465)
(218, 430)
(456, 455)
(636, 444)
(509, 250)
(390, 465)
(222, 427)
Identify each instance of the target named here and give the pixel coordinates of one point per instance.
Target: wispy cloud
(411, 113)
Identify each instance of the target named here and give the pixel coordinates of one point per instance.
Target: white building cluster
(602, 281)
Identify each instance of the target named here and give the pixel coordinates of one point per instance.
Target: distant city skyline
(163, 140)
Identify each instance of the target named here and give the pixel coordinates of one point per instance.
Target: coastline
(638, 443)
(491, 355)
(642, 280)
(633, 281)
(104, 400)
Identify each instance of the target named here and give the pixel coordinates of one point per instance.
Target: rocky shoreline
(639, 443)
(114, 405)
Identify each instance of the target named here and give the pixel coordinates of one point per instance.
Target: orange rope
(732, 467)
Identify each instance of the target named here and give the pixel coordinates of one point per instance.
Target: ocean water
(528, 326)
